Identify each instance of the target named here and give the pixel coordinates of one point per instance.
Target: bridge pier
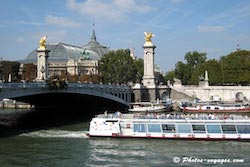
(150, 94)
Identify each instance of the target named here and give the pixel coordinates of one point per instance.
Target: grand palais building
(71, 60)
(66, 59)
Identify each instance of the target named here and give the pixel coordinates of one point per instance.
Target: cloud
(21, 22)
(52, 36)
(211, 28)
(240, 37)
(130, 5)
(114, 10)
(211, 50)
(176, 1)
(61, 21)
(19, 40)
(231, 16)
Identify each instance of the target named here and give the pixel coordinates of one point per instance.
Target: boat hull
(148, 110)
(191, 137)
(148, 107)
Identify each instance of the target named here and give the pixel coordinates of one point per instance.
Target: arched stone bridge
(76, 94)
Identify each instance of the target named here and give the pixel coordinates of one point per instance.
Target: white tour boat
(147, 107)
(158, 125)
(215, 107)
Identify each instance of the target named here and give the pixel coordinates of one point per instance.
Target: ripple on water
(56, 134)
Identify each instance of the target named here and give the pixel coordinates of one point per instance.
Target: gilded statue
(42, 42)
(148, 37)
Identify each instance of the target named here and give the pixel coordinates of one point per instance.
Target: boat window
(243, 129)
(168, 128)
(154, 128)
(184, 128)
(111, 121)
(213, 129)
(199, 128)
(208, 108)
(228, 129)
(139, 128)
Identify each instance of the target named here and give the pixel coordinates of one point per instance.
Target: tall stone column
(149, 85)
(42, 60)
(206, 79)
(42, 64)
(149, 76)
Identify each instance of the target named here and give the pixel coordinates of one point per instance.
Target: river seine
(68, 146)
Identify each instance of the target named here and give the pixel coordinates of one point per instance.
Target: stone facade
(67, 59)
(206, 92)
(74, 67)
(42, 64)
(145, 94)
(149, 90)
(149, 76)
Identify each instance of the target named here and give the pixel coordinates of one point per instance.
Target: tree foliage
(170, 75)
(235, 67)
(118, 67)
(195, 59)
(30, 71)
(183, 72)
(214, 69)
(10, 67)
(231, 69)
(139, 64)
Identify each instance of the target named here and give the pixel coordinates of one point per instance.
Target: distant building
(69, 59)
(159, 79)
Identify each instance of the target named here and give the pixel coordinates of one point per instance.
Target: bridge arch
(164, 96)
(76, 94)
(239, 96)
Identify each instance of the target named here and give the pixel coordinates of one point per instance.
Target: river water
(69, 146)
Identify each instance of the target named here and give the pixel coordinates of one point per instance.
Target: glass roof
(63, 52)
(96, 46)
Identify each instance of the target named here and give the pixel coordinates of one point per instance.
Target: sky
(215, 27)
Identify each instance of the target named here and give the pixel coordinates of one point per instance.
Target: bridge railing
(22, 84)
(23, 88)
(69, 85)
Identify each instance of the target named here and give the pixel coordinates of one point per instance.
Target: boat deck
(162, 116)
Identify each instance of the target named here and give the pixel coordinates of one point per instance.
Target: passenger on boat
(202, 116)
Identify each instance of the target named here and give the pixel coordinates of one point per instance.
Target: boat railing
(191, 117)
(184, 117)
(116, 115)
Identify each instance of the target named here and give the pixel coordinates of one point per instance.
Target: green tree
(29, 72)
(230, 69)
(235, 67)
(183, 72)
(214, 72)
(139, 64)
(170, 75)
(195, 59)
(118, 67)
(10, 67)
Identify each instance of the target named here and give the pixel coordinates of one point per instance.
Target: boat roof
(159, 117)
